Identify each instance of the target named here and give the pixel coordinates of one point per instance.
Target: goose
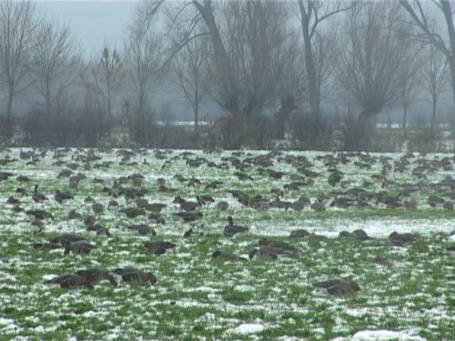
(36, 196)
(222, 205)
(159, 247)
(189, 216)
(264, 253)
(300, 233)
(60, 197)
(46, 246)
(98, 230)
(95, 275)
(79, 248)
(13, 201)
(143, 229)
(66, 239)
(279, 246)
(132, 212)
(70, 281)
(155, 207)
(231, 230)
(40, 214)
(401, 239)
(73, 214)
(338, 287)
(191, 232)
(226, 256)
(97, 208)
(185, 205)
(89, 220)
(204, 199)
(134, 276)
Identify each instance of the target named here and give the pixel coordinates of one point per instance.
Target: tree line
(275, 68)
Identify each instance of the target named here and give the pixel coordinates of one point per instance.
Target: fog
(294, 70)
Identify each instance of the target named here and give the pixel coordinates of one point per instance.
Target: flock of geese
(127, 195)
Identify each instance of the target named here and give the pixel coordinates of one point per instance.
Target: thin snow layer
(368, 335)
(248, 328)
(373, 227)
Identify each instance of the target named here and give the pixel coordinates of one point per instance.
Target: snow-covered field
(406, 292)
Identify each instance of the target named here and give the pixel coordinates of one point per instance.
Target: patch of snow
(377, 335)
(248, 328)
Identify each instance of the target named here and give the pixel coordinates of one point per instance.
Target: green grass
(197, 298)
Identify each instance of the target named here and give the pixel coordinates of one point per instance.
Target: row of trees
(251, 58)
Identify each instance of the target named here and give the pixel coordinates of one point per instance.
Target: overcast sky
(92, 22)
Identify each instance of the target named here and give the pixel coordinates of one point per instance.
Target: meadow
(111, 200)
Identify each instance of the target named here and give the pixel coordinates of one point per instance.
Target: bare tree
(17, 27)
(189, 67)
(247, 38)
(146, 57)
(109, 72)
(435, 78)
(312, 14)
(55, 63)
(430, 33)
(409, 75)
(372, 56)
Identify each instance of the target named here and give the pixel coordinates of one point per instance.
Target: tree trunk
(313, 83)
(452, 75)
(447, 11)
(9, 110)
(405, 116)
(222, 61)
(433, 116)
(109, 105)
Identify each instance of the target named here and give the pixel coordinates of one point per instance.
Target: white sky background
(92, 22)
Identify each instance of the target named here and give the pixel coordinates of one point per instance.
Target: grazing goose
(89, 220)
(70, 281)
(112, 204)
(359, 234)
(159, 247)
(300, 233)
(83, 278)
(231, 230)
(79, 248)
(155, 207)
(401, 239)
(138, 277)
(143, 229)
(204, 199)
(37, 226)
(66, 239)
(226, 256)
(189, 216)
(264, 253)
(132, 212)
(185, 205)
(338, 287)
(46, 246)
(279, 246)
(96, 275)
(39, 214)
(13, 201)
(191, 232)
(97, 208)
(98, 230)
(73, 214)
(60, 197)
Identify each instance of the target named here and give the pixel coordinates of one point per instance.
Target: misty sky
(92, 22)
